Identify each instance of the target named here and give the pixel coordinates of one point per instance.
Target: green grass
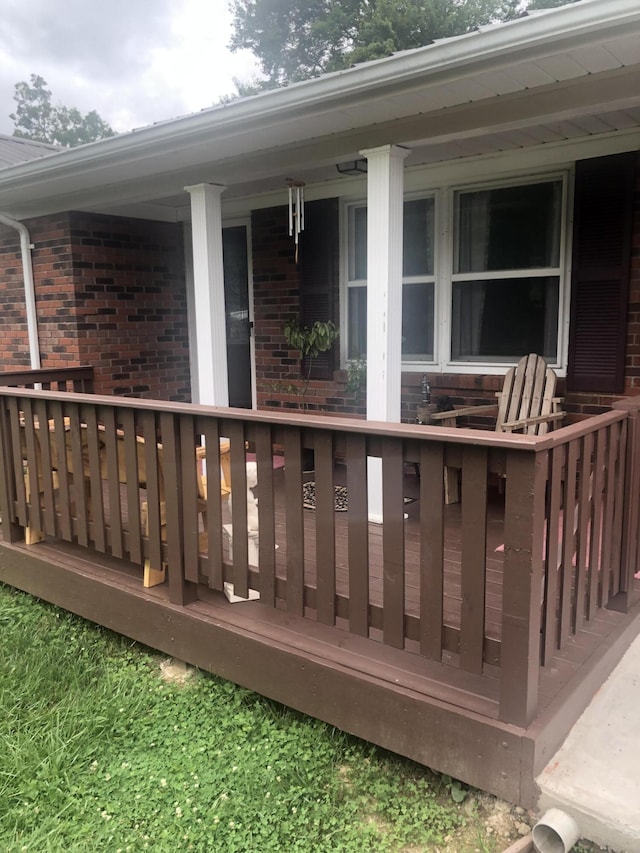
(99, 753)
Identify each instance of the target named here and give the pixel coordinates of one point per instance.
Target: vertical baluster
(266, 514)
(358, 535)
(45, 477)
(294, 520)
(626, 523)
(554, 557)
(594, 589)
(393, 580)
(18, 429)
(32, 441)
(239, 506)
(8, 478)
(91, 451)
(111, 468)
(80, 484)
(585, 530)
(181, 591)
(325, 528)
(569, 540)
(432, 499)
(155, 496)
(191, 500)
(474, 557)
(61, 449)
(213, 518)
(128, 448)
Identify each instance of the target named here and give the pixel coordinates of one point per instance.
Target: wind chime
(296, 211)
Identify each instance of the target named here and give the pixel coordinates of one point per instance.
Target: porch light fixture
(352, 167)
(296, 210)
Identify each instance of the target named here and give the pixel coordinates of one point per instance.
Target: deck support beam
(212, 386)
(385, 198)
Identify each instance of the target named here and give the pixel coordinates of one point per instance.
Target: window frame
(349, 284)
(444, 276)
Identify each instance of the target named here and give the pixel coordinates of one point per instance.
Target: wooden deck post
(522, 589)
(11, 532)
(630, 551)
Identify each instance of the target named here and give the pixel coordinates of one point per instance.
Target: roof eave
(434, 63)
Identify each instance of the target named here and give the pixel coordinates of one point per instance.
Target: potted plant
(310, 341)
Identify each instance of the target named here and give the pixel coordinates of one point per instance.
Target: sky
(134, 61)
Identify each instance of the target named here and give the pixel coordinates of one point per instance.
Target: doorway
(238, 314)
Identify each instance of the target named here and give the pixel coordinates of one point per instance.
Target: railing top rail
(84, 371)
(451, 435)
(577, 430)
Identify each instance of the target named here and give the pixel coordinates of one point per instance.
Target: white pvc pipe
(555, 832)
(29, 288)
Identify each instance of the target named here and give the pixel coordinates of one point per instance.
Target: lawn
(101, 753)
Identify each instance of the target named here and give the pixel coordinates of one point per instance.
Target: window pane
(509, 228)
(417, 322)
(418, 237)
(505, 319)
(357, 243)
(357, 322)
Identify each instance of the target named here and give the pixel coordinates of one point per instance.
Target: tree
(297, 39)
(301, 39)
(36, 118)
(549, 4)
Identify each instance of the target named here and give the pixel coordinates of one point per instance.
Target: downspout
(29, 287)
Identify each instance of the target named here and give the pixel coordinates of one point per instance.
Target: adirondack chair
(527, 404)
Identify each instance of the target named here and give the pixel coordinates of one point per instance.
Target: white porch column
(385, 193)
(208, 285)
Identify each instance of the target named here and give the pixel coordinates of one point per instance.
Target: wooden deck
(467, 636)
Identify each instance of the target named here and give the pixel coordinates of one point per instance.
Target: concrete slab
(595, 776)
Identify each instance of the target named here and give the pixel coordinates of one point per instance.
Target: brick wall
(276, 296)
(110, 292)
(131, 306)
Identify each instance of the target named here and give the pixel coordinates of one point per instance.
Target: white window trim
(347, 284)
(444, 276)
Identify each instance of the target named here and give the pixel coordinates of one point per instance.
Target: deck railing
(78, 379)
(483, 591)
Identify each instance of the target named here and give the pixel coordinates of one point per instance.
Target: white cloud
(134, 61)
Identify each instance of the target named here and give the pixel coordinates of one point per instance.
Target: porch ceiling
(562, 75)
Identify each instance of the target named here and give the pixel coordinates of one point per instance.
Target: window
(497, 279)
(418, 281)
(506, 273)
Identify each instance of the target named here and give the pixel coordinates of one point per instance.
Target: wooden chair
(526, 404)
(34, 481)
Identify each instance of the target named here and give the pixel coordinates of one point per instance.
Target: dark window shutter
(319, 264)
(604, 192)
